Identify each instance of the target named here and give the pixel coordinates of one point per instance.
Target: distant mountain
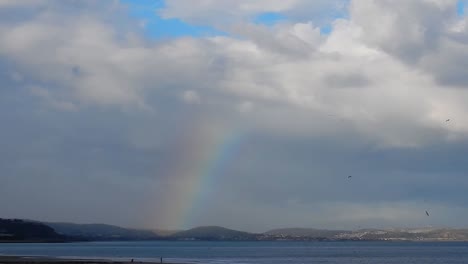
(416, 234)
(15, 230)
(102, 232)
(421, 234)
(304, 232)
(213, 233)
(165, 233)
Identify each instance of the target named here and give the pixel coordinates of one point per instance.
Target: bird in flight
(447, 120)
(427, 213)
(349, 177)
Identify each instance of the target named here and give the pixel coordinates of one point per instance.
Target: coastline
(52, 260)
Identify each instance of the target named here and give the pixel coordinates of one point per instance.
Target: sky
(249, 114)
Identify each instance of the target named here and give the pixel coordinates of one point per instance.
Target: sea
(278, 252)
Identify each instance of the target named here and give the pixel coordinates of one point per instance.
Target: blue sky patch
(158, 27)
(326, 29)
(269, 18)
(461, 7)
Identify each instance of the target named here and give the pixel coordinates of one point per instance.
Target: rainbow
(201, 158)
(224, 151)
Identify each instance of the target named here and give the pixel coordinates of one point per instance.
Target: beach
(49, 260)
(235, 252)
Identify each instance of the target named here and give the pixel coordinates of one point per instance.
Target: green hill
(213, 233)
(102, 232)
(15, 230)
(305, 232)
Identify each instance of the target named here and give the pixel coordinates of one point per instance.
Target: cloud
(191, 97)
(351, 80)
(225, 12)
(426, 34)
(92, 62)
(13, 3)
(245, 106)
(53, 102)
(369, 98)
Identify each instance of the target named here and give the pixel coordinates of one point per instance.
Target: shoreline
(5, 259)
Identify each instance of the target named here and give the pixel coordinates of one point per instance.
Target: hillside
(165, 233)
(425, 234)
(101, 232)
(213, 233)
(421, 234)
(304, 232)
(15, 230)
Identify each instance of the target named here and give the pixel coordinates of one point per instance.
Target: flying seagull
(447, 120)
(427, 213)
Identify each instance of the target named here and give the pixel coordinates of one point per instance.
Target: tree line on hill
(12, 230)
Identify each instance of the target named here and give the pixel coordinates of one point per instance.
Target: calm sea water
(254, 252)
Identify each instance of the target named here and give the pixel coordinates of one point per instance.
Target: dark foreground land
(46, 260)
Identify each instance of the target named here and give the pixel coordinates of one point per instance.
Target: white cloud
(427, 34)
(15, 3)
(360, 72)
(191, 97)
(245, 107)
(44, 94)
(92, 62)
(222, 13)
